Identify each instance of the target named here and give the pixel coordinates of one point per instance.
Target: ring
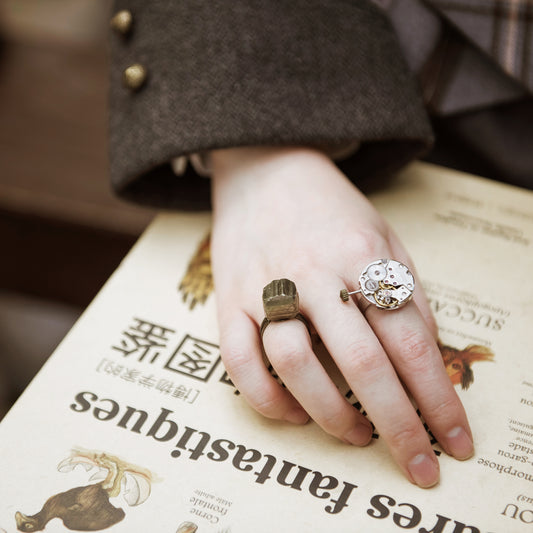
(281, 302)
(385, 283)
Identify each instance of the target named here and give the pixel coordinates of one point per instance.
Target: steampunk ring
(385, 283)
(281, 302)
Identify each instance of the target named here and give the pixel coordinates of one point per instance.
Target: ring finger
(288, 347)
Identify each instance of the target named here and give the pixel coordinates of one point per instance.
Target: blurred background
(62, 233)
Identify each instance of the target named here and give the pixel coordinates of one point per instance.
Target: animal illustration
(88, 508)
(459, 362)
(197, 283)
(187, 527)
(191, 527)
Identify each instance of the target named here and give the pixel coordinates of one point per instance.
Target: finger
(419, 296)
(367, 369)
(418, 362)
(242, 356)
(288, 347)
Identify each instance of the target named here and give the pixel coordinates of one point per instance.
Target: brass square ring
(281, 302)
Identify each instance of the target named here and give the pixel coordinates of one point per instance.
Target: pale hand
(290, 213)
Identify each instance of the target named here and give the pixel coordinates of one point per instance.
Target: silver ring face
(387, 284)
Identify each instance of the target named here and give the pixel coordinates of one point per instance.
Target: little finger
(241, 353)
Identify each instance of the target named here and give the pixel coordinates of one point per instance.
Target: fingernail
(297, 416)
(424, 470)
(360, 435)
(460, 444)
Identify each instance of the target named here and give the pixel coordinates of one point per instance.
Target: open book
(134, 425)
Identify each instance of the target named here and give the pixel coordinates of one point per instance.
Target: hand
(290, 213)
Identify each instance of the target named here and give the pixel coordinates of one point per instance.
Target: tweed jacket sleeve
(249, 72)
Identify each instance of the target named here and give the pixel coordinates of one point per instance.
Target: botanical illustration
(88, 508)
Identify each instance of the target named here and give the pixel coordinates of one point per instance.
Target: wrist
(249, 178)
(246, 159)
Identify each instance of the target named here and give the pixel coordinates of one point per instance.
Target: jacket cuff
(304, 72)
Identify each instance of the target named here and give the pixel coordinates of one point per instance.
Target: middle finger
(368, 370)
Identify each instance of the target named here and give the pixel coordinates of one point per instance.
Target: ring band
(266, 322)
(281, 302)
(385, 283)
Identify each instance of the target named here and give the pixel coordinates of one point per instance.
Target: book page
(134, 425)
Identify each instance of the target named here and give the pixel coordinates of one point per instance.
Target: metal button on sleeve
(122, 21)
(134, 77)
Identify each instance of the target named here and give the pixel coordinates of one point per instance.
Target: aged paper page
(133, 424)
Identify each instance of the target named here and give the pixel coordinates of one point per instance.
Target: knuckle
(369, 242)
(288, 358)
(366, 365)
(300, 264)
(441, 412)
(335, 421)
(304, 267)
(268, 403)
(362, 360)
(416, 348)
(407, 436)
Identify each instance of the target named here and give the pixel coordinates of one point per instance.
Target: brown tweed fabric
(314, 72)
(253, 72)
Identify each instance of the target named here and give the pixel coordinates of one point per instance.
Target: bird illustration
(88, 508)
(459, 362)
